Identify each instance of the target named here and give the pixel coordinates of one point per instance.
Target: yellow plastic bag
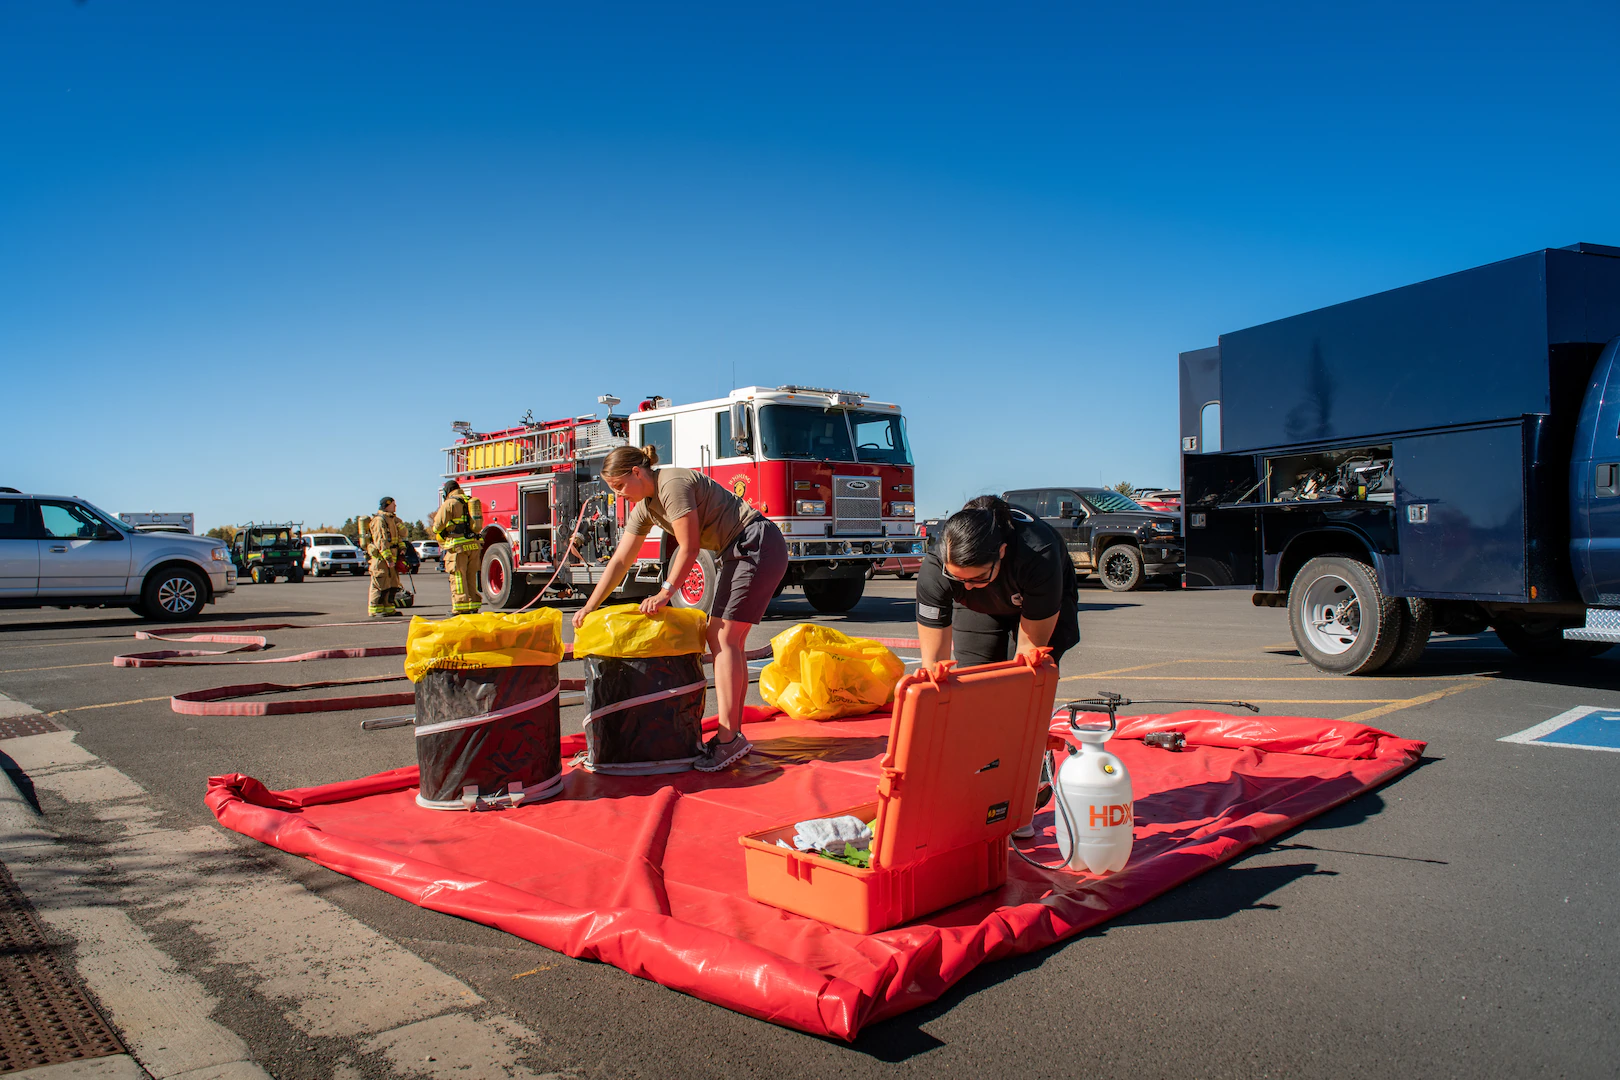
(623, 631)
(491, 639)
(821, 674)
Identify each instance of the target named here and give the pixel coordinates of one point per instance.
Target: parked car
(331, 553)
(1163, 500)
(1109, 534)
(903, 568)
(429, 549)
(60, 551)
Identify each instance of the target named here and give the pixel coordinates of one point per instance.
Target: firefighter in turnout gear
(385, 544)
(457, 525)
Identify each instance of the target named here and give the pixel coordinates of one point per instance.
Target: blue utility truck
(1439, 457)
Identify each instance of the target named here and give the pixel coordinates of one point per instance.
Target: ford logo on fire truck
(856, 485)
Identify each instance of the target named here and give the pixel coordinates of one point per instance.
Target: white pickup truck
(331, 553)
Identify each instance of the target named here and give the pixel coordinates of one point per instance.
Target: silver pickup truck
(60, 551)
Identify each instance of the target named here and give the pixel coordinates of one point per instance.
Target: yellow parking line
(1407, 703)
(108, 705)
(56, 644)
(1115, 671)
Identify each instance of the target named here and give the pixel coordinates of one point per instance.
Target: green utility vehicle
(264, 552)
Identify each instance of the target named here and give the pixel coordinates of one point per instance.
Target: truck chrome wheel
(1341, 620)
(1332, 614)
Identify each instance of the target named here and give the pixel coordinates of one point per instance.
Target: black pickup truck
(1109, 534)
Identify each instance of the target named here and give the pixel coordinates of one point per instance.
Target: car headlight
(902, 509)
(1164, 530)
(219, 554)
(811, 507)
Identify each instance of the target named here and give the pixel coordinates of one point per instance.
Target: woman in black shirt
(999, 582)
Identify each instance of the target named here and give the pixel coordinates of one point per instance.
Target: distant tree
(1125, 488)
(416, 530)
(226, 533)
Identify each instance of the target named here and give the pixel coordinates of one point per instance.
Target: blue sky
(255, 258)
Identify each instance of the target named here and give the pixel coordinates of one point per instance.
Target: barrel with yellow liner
(488, 732)
(644, 689)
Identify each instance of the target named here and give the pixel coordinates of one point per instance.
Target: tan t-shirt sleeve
(639, 522)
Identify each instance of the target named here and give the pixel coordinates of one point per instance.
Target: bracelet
(669, 587)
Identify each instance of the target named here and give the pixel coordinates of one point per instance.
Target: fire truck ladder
(500, 453)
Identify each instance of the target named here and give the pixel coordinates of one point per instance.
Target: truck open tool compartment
(960, 773)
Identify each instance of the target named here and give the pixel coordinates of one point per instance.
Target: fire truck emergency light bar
(841, 397)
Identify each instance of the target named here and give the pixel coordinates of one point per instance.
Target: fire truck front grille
(857, 504)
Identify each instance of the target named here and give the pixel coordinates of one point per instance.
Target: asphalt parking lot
(1457, 922)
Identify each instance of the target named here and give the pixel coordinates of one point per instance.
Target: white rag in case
(832, 834)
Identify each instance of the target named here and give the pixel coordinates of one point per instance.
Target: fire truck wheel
(836, 596)
(503, 590)
(697, 591)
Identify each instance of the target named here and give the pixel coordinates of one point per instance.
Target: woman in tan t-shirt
(700, 514)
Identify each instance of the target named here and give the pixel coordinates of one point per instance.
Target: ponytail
(975, 533)
(624, 458)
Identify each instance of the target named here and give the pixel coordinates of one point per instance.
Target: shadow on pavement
(1224, 891)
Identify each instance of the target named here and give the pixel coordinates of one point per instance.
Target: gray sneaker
(718, 755)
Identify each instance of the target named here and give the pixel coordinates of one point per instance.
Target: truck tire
(296, 576)
(1341, 620)
(835, 596)
(1414, 635)
(1120, 567)
(697, 591)
(173, 593)
(503, 589)
(1542, 645)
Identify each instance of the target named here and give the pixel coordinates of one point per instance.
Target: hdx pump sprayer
(1093, 806)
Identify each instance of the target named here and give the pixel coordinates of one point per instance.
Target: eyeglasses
(986, 578)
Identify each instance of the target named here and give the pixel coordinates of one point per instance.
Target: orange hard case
(960, 773)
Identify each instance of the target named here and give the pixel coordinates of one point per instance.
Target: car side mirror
(742, 432)
(107, 532)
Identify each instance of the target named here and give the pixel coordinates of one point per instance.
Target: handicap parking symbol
(1585, 727)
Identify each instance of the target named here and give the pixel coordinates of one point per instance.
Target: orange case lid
(964, 755)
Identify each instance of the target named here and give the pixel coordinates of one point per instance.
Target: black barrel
(488, 738)
(643, 715)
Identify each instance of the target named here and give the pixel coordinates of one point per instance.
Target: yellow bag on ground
(821, 674)
(623, 631)
(490, 639)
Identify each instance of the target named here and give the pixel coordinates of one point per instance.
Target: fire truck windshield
(793, 431)
(880, 437)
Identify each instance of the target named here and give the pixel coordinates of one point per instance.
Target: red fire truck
(831, 467)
